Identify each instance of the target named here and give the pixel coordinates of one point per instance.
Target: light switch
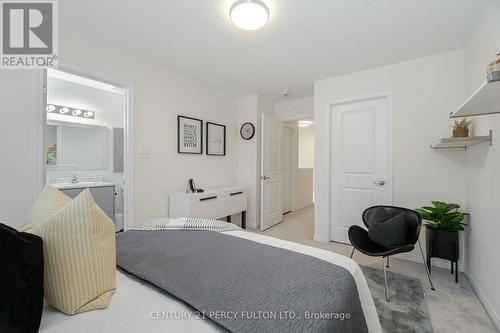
(145, 154)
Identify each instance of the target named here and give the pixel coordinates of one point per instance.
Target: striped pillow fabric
(80, 256)
(50, 201)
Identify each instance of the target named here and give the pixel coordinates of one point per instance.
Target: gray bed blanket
(244, 286)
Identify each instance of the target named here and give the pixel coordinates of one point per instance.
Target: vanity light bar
(67, 111)
(305, 123)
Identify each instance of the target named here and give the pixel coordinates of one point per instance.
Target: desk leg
(244, 219)
(228, 218)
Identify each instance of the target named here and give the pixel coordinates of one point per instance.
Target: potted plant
(493, 70)
(443, 222)
(461, 128)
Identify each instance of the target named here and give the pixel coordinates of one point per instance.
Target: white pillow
(80, 256)
(50, 201)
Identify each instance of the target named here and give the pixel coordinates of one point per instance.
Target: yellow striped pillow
(50, 201)
(80, 258)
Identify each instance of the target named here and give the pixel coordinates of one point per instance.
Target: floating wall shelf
(485, 100)
(463, 142)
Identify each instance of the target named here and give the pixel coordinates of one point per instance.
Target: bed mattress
(140, 307)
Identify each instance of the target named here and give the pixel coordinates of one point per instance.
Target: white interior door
(361, 162)
(287, 169)
(271, 181)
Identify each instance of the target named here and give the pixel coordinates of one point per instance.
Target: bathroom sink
(87, 183)
(62, 186)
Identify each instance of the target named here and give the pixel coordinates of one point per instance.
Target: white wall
(304, 174)
(248, 168)
(306, 147)
(295, 109)
(482, 176)
(304, 186)
(159, 96)
(425, 91)
(250, 109)
(18, 136)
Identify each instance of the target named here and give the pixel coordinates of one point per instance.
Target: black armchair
(361, 242)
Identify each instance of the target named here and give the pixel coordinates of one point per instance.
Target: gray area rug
(407, 311)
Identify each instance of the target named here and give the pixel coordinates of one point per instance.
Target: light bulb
(249, 14)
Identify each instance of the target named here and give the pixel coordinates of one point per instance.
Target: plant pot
(494, 76)
(442, 244)
(494, 66)
(461, 133)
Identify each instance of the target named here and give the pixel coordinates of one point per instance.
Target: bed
(140, 306)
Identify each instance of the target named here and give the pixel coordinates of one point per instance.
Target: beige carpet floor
(453, 307)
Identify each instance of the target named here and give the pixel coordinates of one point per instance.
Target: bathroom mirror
(76, 146)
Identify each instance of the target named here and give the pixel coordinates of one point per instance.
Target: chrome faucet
(75, 179)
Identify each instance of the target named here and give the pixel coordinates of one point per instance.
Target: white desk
(214, 203)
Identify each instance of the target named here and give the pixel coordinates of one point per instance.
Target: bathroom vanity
(74, 148)
(103, 193)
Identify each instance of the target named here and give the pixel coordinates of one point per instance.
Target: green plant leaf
(443, 216)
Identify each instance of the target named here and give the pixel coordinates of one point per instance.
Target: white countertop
(67, 186)
(213, 190)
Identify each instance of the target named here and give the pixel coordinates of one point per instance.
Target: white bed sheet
(135, 305)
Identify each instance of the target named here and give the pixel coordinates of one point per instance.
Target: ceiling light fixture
(249, 14)
(68, 111)
(303, 125)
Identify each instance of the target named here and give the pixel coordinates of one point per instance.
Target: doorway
(86, 138)
(298, 170)
(360, 161)
(297, 178)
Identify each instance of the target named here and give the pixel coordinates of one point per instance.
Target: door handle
(265, 177)
(379, 182)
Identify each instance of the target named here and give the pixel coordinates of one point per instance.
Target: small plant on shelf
(461, 128)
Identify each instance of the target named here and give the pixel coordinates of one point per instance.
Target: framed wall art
(216, 139)
(189, 135)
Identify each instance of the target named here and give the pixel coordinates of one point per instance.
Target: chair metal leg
(426, 268)
(385, 281)
(352, 253)
(387, 262)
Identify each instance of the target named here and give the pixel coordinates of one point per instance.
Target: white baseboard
(436, 262)
(495, 317)
(321, 239)
(302, 206)
(252, 224)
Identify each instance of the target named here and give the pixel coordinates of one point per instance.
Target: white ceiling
(304, 41)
